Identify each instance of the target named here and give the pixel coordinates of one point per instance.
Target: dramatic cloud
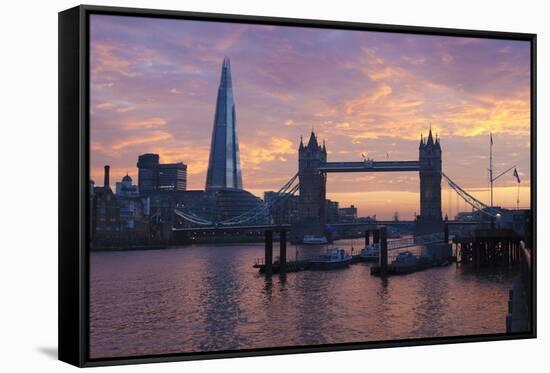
(154, 84)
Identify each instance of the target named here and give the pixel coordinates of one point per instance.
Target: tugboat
(370, 253)
(333, 258)
(314, 240)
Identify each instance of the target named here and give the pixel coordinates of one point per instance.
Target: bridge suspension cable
(262, 210)
(286, 191)
(191, 217)
(469, 199)
(283, 191)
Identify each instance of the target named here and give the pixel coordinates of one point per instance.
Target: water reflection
(268, 288)
(209, 298)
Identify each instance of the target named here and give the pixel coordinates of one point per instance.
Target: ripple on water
(209, 298)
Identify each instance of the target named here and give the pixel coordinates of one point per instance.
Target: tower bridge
(310, 184)
(313, 168)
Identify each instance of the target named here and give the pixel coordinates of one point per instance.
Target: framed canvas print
(237, 186)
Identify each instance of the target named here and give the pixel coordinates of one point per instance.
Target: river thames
(209, 298)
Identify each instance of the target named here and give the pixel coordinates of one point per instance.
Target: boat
(334, 258)
(405, 258)
(314, 240)
(407, 262)
(370, 253)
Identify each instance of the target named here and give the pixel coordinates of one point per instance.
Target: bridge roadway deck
(259, 227)
(286, 227)
(370, 166)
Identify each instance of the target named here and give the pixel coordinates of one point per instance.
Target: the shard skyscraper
(224, 165)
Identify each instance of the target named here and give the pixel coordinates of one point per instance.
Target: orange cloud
(105, 106)
(363, 103)
(489, 114)
(386, 73)
(403, 104)
(157, 136)
(104, 59)
(146, 123)
(111, 106)
(289, 122)
(276, 148)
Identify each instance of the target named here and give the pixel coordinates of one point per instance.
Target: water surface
(209, 298)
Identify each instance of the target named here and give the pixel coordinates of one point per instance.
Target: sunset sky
(154, 84)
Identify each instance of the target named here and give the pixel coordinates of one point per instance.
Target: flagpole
(516, 175)
(517, 199)
(491, 167)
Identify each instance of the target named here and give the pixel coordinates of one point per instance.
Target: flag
(516, 175)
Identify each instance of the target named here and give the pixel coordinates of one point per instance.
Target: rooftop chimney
(106, 183)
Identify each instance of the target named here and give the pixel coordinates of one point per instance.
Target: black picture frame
(74, 152)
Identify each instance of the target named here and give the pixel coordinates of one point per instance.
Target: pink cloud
(146, 123)
(155, 137)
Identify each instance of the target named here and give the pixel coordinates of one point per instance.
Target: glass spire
(224, 166)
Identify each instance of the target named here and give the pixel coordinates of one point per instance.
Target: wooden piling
(383, 256)
(476, 247)
(282, 252)
(375, 236)
(268, 252)
(367, 238)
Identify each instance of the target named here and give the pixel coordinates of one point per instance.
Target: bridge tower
(311, 202)
(429, 220)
